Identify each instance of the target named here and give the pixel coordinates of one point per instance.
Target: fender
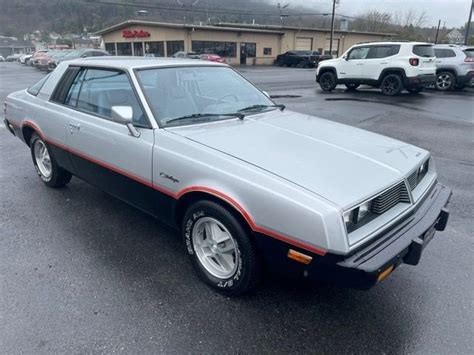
(392, 70)
(326, 69)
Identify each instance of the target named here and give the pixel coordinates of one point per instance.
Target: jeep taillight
(414, 61)
(469, 59)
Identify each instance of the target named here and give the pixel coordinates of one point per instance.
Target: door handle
(360, 63)
(74, 127)
(383, 62)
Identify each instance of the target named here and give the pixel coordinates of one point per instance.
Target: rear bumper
(420, 80)
(465, 79)
(402, 244)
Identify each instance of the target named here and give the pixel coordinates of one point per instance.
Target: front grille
(390, 198)
(415, 177)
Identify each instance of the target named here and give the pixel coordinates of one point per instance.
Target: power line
(215, 11)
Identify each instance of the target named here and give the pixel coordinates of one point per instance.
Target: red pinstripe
(181, 193)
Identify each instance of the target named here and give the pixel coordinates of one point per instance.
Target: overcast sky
(453, 12)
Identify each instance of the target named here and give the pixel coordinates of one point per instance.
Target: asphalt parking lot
(83, 272)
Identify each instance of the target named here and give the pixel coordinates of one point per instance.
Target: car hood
(341, 163)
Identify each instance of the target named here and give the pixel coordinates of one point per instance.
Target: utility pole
(437, 32)
(468, 24)
(332, 26)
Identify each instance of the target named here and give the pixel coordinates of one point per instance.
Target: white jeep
(392, 66)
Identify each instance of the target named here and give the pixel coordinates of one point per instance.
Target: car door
(352, 66)
(103, 152)
(377, 60)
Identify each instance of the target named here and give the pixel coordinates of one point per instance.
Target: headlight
(358, 216)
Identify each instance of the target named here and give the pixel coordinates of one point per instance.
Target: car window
(444, 53)
(469, 53)
(383, 51)
(73, 93)
(359, 53)
(35, 89)
(101, 89)
(423, 50)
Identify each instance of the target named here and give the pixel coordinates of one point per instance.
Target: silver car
(246, 181)
(454, 66)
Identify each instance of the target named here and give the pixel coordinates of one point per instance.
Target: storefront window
(174, 46)
(267, 51)
(124, 48)
(156, 48)
(224, 49)
(110, 47)
(250, 49)
(138, 49)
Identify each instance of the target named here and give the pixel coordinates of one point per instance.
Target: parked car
(245, 181)
(300, 59)
(212, 58)
(184, 54)
(454, 66)
(43, 61)
(34, 60)
(13, 57)
(391, 66)
(319, 57)
(25, 58)
(79, 53)
(2, 59)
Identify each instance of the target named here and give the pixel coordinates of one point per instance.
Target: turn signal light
(299, 257)
(384, 274)
(414, 61)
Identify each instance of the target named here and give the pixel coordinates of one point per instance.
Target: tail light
(469, 59)
(414, 61)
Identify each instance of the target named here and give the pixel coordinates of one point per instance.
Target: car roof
(392, 43)
(138, 62)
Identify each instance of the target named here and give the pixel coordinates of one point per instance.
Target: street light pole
(468, 24)
(332, 26)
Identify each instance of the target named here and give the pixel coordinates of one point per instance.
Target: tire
(352, 87)
(415, 90)
(445, 81)
(233, 272)
(46, 166)
(391, 84)
(327, 81)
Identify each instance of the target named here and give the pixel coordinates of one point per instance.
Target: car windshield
(189, 95)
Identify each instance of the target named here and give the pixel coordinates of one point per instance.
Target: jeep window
(101, 89)
(35, 89)
(423, 50)
(383, 51)
(444, 53)
(359, 53)
(174, 93)
(469, 53)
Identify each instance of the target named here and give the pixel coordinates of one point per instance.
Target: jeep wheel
(391, 85)
(220, 249)
(352, 87)
(445, 81)
(327, 81)
(48, 170)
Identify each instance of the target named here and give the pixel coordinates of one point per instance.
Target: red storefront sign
(135, 33)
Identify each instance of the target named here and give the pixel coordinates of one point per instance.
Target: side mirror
(266, 94)
(345, 57)
(124, 115)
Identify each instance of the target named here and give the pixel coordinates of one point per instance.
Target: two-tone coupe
(247, 182)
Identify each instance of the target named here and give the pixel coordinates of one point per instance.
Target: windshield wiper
(255, 107)
(198, 116)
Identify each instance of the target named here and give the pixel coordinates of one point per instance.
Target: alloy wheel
(215, 248)
(42, 158)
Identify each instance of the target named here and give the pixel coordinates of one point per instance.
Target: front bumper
(420, 80)
(402, 244)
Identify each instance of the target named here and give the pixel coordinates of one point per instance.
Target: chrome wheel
(215, 248)
(444, 81)
(42, 158)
